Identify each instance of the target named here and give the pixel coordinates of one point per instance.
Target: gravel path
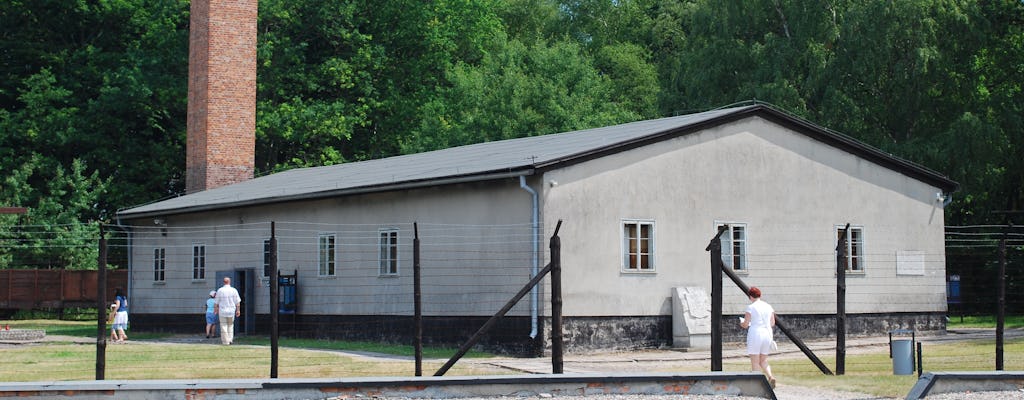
(794, 393)
(666, 360)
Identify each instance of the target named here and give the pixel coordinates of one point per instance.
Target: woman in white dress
(759, 321)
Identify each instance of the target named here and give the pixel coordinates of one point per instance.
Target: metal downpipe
(535, 226)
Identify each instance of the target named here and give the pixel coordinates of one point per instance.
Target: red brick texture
(221, 94)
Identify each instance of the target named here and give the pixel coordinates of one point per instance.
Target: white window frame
(632, 255)
(730, 244)
(854, 247)
(388, 259)
(198, 261)
(159, 264)
(327, 267)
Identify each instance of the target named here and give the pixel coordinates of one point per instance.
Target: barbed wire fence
(973, 265)
(380, 304)
(354, 281)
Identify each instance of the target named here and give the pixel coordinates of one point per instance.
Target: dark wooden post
(417, 297)
(841, 302)
(102, 308)
(1001, 305)
(556, 303)
(715, 247)
(275, 302)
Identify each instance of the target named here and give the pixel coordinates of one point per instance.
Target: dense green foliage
(93, 93)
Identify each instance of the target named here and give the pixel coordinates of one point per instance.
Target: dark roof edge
(483, 176)
(773, 114)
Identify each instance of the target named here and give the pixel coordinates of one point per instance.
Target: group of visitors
(224, 303)
(222, 307)
(118, 317)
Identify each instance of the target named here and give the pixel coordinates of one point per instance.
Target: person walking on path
(759, 320)
(211, 316)
(120, 309)
(227, 301)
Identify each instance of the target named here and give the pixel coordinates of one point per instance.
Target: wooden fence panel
(24, 289)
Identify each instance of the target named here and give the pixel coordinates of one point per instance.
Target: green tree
(316, 83)
(54, 233)
(345, 81)
(518, 91)
(103, 82)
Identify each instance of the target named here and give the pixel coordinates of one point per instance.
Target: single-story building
(639, 203)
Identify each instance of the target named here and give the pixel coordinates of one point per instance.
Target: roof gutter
(528, 170)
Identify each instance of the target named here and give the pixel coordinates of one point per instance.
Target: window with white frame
(328, 255)
(734, 245)
(198, 261)
(159, 264)
(389, 252)
(854, 250)
(637, 245)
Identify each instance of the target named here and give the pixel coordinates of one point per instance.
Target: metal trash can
(901, 350)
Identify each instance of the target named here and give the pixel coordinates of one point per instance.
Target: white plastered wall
(473, 285)
(789, 190)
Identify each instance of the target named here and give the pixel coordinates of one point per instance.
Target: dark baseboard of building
(510, 335)
(588, 334)
(819, 326)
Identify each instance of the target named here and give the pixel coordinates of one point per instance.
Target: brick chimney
(221, 142)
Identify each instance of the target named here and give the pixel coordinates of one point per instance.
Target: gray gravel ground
(664, 361)
(645, 360)
(1014, 395)
(795, 393)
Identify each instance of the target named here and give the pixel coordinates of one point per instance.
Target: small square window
(734, 246)
(389, 252)
(637, 245)
(328, 255)
(159, 264)
(198, 261)
(854, 249)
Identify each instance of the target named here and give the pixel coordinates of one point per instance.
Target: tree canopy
(93, 94)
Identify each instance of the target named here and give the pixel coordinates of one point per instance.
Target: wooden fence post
(275, 302)
(841, 302)
(715, 247)
(417, 297)
(1001, 302)
(101, 308)
(557, 344)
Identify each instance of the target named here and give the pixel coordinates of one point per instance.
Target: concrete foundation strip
(957, 382)
(740, 384)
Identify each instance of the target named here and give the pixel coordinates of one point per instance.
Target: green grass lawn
(155, 360)
(147, 357)
(867, 371)
(88, 329)
(872, 372)
(985, 321)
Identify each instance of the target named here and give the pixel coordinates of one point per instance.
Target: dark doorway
(243, 280)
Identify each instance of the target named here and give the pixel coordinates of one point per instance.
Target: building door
(246, 279)
(243, 280)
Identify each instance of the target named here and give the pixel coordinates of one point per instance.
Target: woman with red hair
(759, 320)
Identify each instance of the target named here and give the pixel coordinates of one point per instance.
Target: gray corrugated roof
(472, 162)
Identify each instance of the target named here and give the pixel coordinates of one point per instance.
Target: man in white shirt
(226, 307)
